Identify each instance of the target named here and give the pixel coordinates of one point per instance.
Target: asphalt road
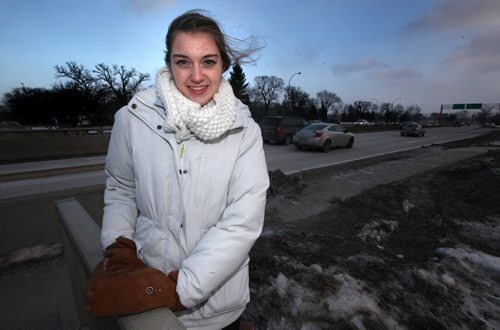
(366, 145)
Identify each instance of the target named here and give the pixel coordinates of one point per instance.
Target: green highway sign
(463, 106)
(474, 106)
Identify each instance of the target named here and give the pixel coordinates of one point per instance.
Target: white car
(361, 122)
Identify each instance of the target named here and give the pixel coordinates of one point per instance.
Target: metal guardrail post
(82, 250)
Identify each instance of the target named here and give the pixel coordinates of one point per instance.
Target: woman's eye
(209, 62)
(182, 63)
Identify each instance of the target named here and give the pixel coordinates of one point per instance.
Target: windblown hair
(194, 21)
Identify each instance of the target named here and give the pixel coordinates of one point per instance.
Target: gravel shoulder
(307, 194)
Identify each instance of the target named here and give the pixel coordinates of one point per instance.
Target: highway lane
(286, 158)
(290, 160)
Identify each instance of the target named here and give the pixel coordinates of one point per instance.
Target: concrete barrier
(82, 250)
(22, 146)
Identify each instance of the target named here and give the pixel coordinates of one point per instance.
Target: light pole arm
(293, 75)
(392, 104)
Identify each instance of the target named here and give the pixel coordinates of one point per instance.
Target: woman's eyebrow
(204, 56)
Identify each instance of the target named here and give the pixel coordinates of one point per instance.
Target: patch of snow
(448, 280)
(474, 274)
(37, 252)
(432, 279)
(468, 258)
(377, 230)
(350, 299)
(407, 206)
(354, 298)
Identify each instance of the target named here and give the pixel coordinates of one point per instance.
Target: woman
(187, 182)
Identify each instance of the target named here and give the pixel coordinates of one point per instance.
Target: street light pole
(288, 87)
(392, 104)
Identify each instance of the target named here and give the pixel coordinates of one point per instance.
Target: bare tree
(121, 82)
(412, 112)
(267, 89)
(328, 101)
(83, 78)
(483, 116)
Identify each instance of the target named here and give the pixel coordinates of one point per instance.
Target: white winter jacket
(200, 214)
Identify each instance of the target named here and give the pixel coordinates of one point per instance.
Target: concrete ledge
(82, 250)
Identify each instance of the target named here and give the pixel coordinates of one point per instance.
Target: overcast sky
(426, 52)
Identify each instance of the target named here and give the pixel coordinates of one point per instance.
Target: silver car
(412, 129)
(324, 136)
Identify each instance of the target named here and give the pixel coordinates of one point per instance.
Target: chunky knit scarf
(186, 118)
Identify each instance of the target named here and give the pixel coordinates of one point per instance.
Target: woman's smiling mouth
(198, 89)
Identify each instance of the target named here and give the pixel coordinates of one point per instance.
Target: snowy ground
(419, 253)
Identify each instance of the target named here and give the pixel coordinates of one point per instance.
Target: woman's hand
(130, 292)
(121, 255)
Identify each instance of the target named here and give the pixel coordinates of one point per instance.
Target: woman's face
(196, 66)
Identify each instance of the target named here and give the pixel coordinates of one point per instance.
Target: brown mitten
(173, 275)
(122, 255)
(129, 292)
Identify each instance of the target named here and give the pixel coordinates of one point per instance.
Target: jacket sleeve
(225, 247)
(120, 210)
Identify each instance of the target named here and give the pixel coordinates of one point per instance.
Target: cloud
(148, 6)
(396, 74)
(480, 55)
(362, 65)
(374, 69)
(448, 15)
(478, 22)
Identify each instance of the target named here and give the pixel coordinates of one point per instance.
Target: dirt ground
(419, 253)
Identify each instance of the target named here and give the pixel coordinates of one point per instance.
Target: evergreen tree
(238, 83)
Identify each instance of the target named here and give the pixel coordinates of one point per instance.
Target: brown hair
(195, 21)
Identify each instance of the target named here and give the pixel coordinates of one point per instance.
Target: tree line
(85, 96)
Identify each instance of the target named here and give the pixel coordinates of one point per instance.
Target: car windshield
(315, 127)
(270, 121)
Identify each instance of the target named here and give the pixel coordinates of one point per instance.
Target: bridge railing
(82, 251)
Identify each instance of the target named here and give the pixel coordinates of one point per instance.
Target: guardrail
(82, 251)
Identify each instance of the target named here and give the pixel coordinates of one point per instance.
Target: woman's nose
(197, 74)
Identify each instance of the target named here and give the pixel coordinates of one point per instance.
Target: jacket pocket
(150, 242)
(233, 294)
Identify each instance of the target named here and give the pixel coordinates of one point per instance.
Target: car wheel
(327, 145)
(298, 146)
(287, 140)
(423, 133)
(350, 143)
(402, 134)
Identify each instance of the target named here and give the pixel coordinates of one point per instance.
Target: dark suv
(280, 129)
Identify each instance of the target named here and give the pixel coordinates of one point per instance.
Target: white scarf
(185, 117)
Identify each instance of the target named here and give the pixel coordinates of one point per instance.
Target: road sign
(471, 106)
(474, 106)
